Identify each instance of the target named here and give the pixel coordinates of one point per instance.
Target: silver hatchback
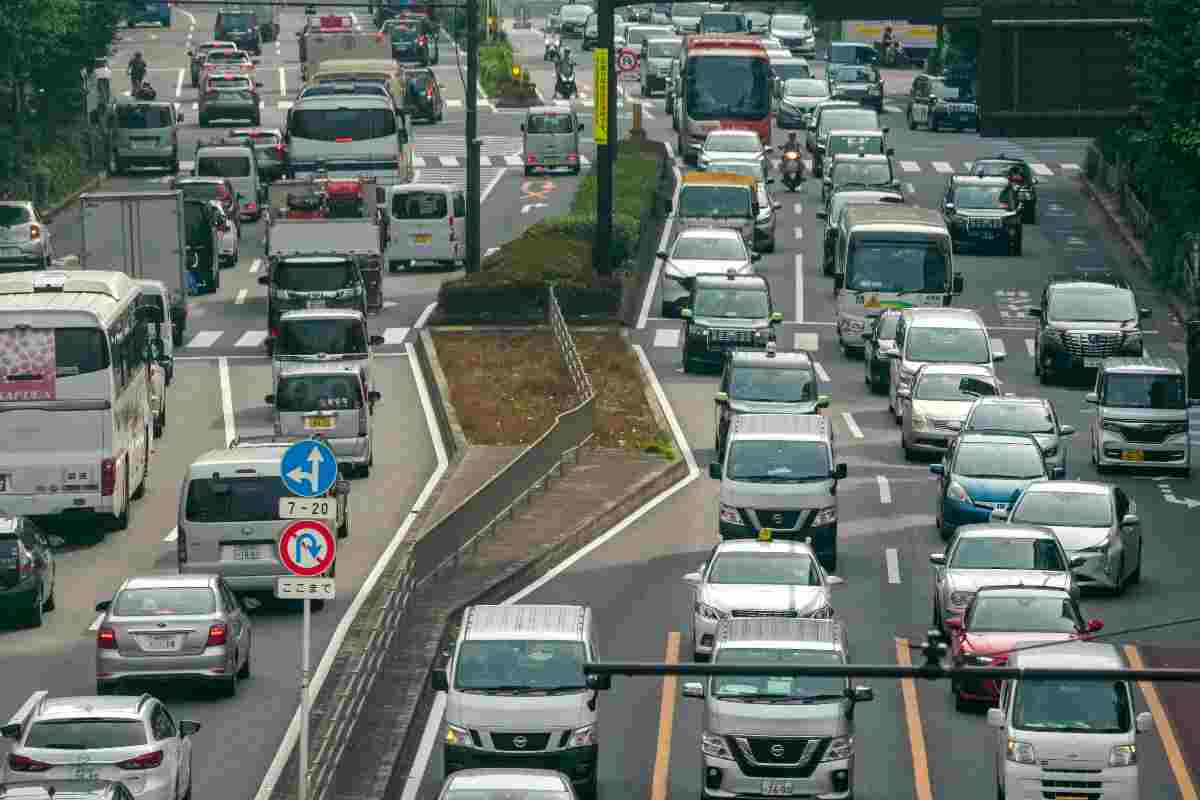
(172, 627)
(24, 238)
(330, 401)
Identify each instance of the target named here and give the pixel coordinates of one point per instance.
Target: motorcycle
(564, 81)
(792, 169)
(145, 92)
(552, 48)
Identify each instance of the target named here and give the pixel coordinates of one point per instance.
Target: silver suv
(330, 401)
(1141, 417)
(24, 238)
(145, 134)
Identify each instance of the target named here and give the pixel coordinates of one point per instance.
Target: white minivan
(422, 222)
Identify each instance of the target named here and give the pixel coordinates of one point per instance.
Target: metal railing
(566, 347)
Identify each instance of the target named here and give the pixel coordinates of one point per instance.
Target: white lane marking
(855, 431)
(892, 559)
(805, 341)
(251, 339)
(1041, 169)
(799, 287)
(799, 232)
(282, 81)
(227, 402)
(487, 190)
(96, 622)
(179, 83)
(822, 375)
(454, 104)
(172, 536)
(1029, 347)
(666, 337)
(1069, 167)
(204, 339)
(284, 753)
(942, 166)
(418, 161)
(513, 161)
(663, 242)
(885, 489)
(255, 265)
(798, 208)
(910, 189)
(998, 347)
(429, 738)
(893, 109)
(241, 296)
(910, 166)
(394, 335)
(425, 314)
(448, 161)
(284, 105)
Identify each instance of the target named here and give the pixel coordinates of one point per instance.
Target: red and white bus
(726, 83)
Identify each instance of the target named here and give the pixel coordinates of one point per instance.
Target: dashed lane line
(885, 489)
(892, 559)
(855, 431)
(1029, 348)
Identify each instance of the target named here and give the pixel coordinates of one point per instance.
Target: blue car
(982, 472)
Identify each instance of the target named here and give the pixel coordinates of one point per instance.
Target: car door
(236, 617)
(894, 366)
(176, 750)
(1131, 535)
(722, 411)
(920, 107)
(43, 559)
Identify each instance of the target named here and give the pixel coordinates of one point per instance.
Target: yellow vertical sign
(600, 81)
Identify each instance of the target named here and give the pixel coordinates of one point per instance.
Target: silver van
(551, 721)
(229, 520)
(331, 402)
(1141, 419)
(145, 134)
(786, 735)
(550, 139)
(779, 477)
(337, 335)
(655, 62)
(238, 164)
(422, 222)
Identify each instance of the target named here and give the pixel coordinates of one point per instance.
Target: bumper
(984, 237)
(933, 442)
(945, 120)
(214, 662)
(1055, 357)
(702, 352)
(955, 514)
(1032, 782)
(45, 505)
(579, 763)
(231, 112)
(19, 598)
(831, 780)
(824, 537)
(1114, 451)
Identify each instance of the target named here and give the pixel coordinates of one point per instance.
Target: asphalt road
(922, 748)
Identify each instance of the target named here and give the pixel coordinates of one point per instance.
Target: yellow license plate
(1129, 455)
(319, 423)
(1071, 797)
(423, 238)
(764, 534)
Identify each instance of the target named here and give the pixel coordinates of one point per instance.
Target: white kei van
(1065, 738)
(239, 165)
(422, 222)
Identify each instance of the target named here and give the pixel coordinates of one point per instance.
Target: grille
(789, 42)
(943, 424)
(1146, 433)
(782, 751)
(777, 519)
(532, 741)
(767, 614)
(731, 337)
(1096, 785)
(1092, 345)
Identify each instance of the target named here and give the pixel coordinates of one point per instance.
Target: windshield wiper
(563, 689)
(501, 689)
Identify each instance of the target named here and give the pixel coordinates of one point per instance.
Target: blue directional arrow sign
(308, 468)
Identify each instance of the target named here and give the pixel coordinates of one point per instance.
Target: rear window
(166, 601)
(223, 166)
(235, 499)
(87, 734)
(239, 22)
(549, 123)
(323, 277)
(316, 336)
(14, 215)
(225, 57)
(200, 191)
(318, 393)
(347, 124)
(714, 201)
(419, 205)
(144, 117)
(27, 357)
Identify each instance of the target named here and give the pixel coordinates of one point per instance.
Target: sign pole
(302, 794)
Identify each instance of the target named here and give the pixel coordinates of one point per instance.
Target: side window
(1004, 692)
(162, 724)
(228, 597)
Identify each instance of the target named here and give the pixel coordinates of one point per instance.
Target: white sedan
(696, 251)
(733, 145)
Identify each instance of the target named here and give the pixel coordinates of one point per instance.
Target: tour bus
(726, 83)
(364, 134)
(889, 256)
(74, 394)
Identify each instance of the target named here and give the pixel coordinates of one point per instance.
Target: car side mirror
(995, 718)
(579, 128)
(269, 399)
(721, 398)
(776, 317)
(839, 281)
(1091, 397)
(823, 401)
(958, 284)
(1129, 520)
(686, 313)
(376, 340)
(839, 472)
(714, 470)
(264, 280)
(693, 689)
(861, 694)
(439, 680)
(954, 623)
(598, 683)
(937, 559)
(1094, 625)
(948, 207)
(755, 257)
(1145, 722)
(692, 578)
(11, 731)
(341, 488)
(374, 397)
(1077, 561)
(937, 469)
(104, 605)
(1066, 430)
(187, 728)
(1145, 313)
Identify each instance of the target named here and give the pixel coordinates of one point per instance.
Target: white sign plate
(296, 588)
(307, 508)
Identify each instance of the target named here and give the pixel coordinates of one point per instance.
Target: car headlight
(1051, 451)
(710, 612)
(1123, 755)
(1133, 342)
(919, 421)
(1020, 752)
(583, 737)
(713, 745)
(840, 747)
(980, 661)
(731, 515)
(956, 492)
(459, 737)
(826, 516)
(960, 599)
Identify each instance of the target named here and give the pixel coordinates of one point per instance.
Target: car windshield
(784, 22)
(1082, 707)
(714, 201)
(995, 460)
(772, 385)
(872, 173)
(419, 204)
(732, 143)
(770, 569)
(723, 23)
(948, 345)
(165, 601)
(799, 688)
(1075, 509)
(236, 23)
(794, 71)
(991, 197)
(843, 143)
(1005, 553)
(310, 337)
(14, 215)
(665, 49)
(851, 119)
(953, 388)
(235, 499)
(852, 74)
(86, 734)
(804, 87)
(728, 87)
(877, 265)
(1021, 417)
(223, 167)
(550, 123)
(768, 460)
(318, 393)
(298, 276)
(1023, 614)
(1092, 304)
(722, 249)
(515, 665)
(732, 303)
(1163, 392)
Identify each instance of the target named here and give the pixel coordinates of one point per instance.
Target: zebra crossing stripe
(251, 339)
(448, 161)
(394, 335)
(454, 104)
(666, 337)
(910, 166)
(418, 162)
(943, 167)
(204, 339)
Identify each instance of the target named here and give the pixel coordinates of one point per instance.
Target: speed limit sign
(627, 61)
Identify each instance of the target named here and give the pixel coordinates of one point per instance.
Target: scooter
(792, 169)
(145, 92)
(564, 81)
(552, 47)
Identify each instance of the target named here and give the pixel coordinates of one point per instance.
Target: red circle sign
(307, 548)
(627, 61)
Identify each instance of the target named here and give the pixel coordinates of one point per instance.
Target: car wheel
(229, 686)
(961, 703)
(933, 126)
(1135, 576)
(1029, 217)
(1018, 245)
(912, 125)
(49, 605)
(244, 670)
(121, 522)
(687, 359)
(203, 120)
(1119, 584)
(33, 616)
(104, 688)
(828, 558)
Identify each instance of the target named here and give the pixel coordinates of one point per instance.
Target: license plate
(316, 303)
(777, 788)
(144, 144)
(318, 423)
(241, 552)
(1071, 797)
(158, 642)
(1091, 362)
(423, 238)
(5, 479)
(1001, 507)
(86, 773)
(1133, 455)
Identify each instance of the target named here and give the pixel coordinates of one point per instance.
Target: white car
(698, 250)
(229, 246)
(131, 739)
(747, 578)
(733, 145)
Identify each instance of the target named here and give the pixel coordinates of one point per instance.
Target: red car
(1002, 618)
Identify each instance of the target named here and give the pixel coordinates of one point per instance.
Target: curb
(452, 432)
(660, 418)
(70, 199)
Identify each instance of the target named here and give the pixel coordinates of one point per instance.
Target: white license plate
(159, 642)
(316, 303)
(86, 773)
(242, 552)
(777, 788)
(1001, 507)
(1092, 362)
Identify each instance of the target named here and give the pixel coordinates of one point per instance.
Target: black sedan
(983, 213)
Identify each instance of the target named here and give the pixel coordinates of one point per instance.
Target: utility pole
(604, 126)
(472, 135)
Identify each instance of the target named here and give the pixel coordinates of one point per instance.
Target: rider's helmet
(137, 56)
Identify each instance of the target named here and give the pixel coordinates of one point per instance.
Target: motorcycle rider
(564, 74)
(889, 46)
(792, 146)
(137, 72)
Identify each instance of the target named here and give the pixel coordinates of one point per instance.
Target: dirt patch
(623, 415)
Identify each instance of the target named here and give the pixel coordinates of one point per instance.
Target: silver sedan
(733, 145)
(939, 400)
(696, 251)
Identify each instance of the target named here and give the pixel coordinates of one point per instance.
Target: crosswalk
(212, 340)
(907, 167)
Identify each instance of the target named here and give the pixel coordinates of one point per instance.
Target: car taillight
(274, 333)
(343, 140)
(452, 228)
(25, 764)
(532, 159)
(35, 232)
(280, 150)
(24, 563)
(422, 40)
(145, 761)
(108, 477)
(106, 638)
(572, 157)
(429, 91)
(251, 207)
(216, 635)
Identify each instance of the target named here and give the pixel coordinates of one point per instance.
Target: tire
(33, 615)
(121, 522)
(318, 605)
(177, 337)
(244, 670)
(933, 126)
(1119, 589)
(1019, 245)
(1029, 217)
(1136, 575)
(912, 125)
(160, 424)
(687, 359)
(50, 604)
(203, 120)
(140, 491)
(364, 471)
(229, 686)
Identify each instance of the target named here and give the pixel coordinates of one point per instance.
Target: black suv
(983, 212)
(239, 26)
(413, 41)
(1083, 319)
(938, 102)
(1019, 174)
(726, 312)
(766, 382)
(26, 569)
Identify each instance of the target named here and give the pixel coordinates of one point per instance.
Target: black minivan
(239, 26)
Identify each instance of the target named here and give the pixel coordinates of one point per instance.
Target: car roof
(1092, 278)
(1069, 487)
(1161, 366)
(1071, 655)
(874, 158)
(1013, 400)
(173, 581)
(550, 110)
(733, 133)
(957, 369)
(876, 134)
(301, 369)
(119, 706)
(934, 317)
(182, 179)
(508, 779)
(987, 530)
(997, 438)
(976, 180)
(321, 313)
(524, 621)
(789, 359)
(708, 233)
(715, 279)
(777, 546)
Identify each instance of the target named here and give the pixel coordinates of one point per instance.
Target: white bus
(74, 394)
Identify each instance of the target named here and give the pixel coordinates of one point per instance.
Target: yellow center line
(1183, 778)
(916, 734)
(666, 722)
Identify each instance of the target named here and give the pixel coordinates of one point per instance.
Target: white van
(364, 133)
(323, 336)
(238, 164)
(1066, 738)
(422, 222)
